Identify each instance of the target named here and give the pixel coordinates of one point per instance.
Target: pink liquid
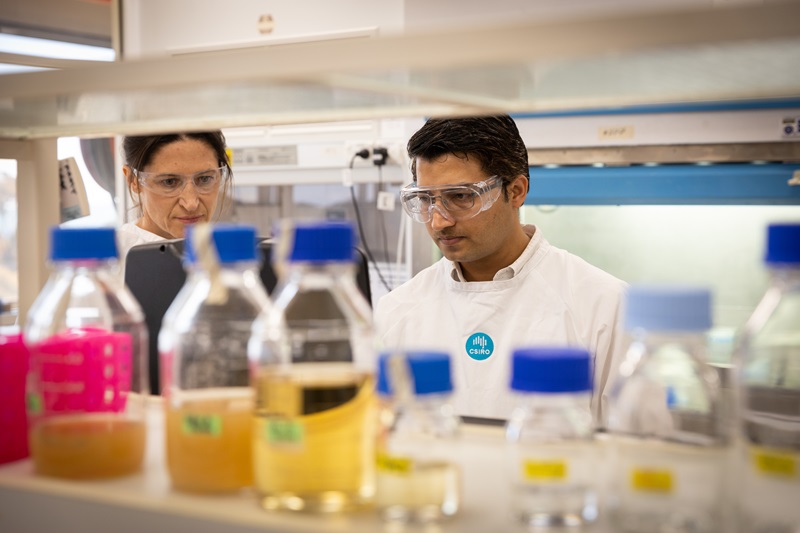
(13, 418)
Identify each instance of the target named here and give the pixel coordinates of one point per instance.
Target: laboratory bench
(146, 502)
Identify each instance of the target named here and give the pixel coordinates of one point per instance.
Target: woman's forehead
(184, 156)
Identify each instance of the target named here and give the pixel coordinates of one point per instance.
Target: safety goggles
(456, 202)
(205, 182)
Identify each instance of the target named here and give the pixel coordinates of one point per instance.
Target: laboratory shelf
(145, 501)
(722, 52)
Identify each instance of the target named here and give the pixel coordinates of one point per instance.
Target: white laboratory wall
(721, 247)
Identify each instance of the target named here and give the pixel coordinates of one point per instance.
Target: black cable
(383, 218)
(365, 155)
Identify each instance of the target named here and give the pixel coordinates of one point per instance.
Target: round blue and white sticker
(480, 346)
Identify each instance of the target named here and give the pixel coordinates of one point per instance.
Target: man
(500, 284)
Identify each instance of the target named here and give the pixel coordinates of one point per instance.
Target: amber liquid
(313, 438)
(87, 446)
(209, 440)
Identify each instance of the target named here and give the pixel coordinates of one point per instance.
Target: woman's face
(169, 216)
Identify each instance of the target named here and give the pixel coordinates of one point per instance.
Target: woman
(174, 180)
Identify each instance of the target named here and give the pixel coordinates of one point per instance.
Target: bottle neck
(546, 416)
(553, 401)
(432, 413)
(226, 269)
(86, 265)
(787, 276)
(331, 269)
(438, 404)
(658, 338)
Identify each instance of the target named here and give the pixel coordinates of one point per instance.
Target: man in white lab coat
(500, 284)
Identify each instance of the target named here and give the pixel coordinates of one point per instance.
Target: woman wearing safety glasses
(174, 180)
(500, 284)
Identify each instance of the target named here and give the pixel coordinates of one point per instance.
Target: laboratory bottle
(87, 383)
(208, 401)
(768, 355)
(13, 375)
(418, 472)
(669, 442)
(552, 455)
(312, 358)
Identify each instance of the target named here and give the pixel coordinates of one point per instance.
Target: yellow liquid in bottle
(313, 438)
(209, 438)
(87, 446)
(418, 491)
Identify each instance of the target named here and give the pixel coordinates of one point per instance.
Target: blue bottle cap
(70, 244)
(429, 370)
(783, 244)
(233, 243)
(551, 370)
(668, 308)
(323, 241)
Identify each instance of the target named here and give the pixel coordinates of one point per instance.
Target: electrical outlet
(397, 153)
(351, 148)
(386, 201)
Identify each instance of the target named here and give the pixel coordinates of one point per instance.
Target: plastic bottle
(418, 477)
(311, 354)
(670, 445)
(552, 455)
(87, 384)
(769, 357)
(13, 419)
(208, 401)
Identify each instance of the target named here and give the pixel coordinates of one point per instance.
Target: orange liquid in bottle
(87, 446)
(209, 440)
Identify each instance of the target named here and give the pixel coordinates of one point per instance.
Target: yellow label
(202, 425)
(282, 432)
(394, 464)
(648, 480)
(774, 463)
(554, 470)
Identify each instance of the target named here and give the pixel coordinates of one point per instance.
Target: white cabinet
(154, 27)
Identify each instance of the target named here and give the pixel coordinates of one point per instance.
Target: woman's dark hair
(494, 141)
(140, 150)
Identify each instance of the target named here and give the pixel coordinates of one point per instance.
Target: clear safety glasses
(456, 202)
(205, 182)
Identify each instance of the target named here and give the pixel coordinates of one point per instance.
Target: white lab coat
(130, 235)
(546, 297)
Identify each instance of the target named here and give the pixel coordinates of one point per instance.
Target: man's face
(479, 240)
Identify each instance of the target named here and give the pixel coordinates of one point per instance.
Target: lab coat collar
(514, 268)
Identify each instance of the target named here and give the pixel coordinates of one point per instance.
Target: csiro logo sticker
(480, 346)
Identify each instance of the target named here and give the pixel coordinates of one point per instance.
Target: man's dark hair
(494, 141)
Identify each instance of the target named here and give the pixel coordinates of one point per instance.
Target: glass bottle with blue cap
(418, 478)
(208, 401)
(87, 384)
(312, 353)
(552, 455)
(671, 445)
(769, 357)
